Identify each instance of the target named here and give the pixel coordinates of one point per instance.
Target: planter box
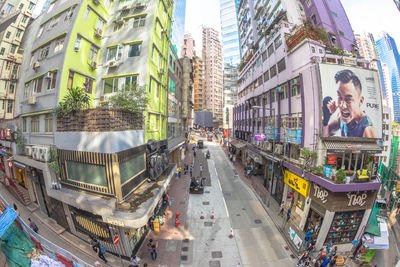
(99, 120)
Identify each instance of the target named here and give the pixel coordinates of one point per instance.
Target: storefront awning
(19, 165)
(238, 144)
(349, 146)
(378, 242)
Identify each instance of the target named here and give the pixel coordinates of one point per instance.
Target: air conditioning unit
(113, 63)
(44, 154)
(36, 65)
(93, 65)
(161, 71)
(99, 33)
(96, 2)
(36, 152)
(28, 151)
(268, 146)
(32, 100)
(140, 5)
(47, 75)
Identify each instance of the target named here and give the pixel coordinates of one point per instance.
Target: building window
(37, 85)
(8, 34)
(48, 123)
(86, 15)
(107, 4)
(50, 81)
(308, 3)
(2, 50)
(264, 56)
(70, 80)
(59, 45)
(139, 21)
(70, 13)
(19, 32)
(272, 96)
(110, 85)
(134, 50)
(13, 49)
(132, 167)
(44, 52)
(314, 19)
(88, 85)
(54, 22)
(313, 49)
(278, 42)
(341, 33)
(12, 87)
(10, 105)
(270, 50)
(8, 8)
(334, 14)
(24, 125)
(272, 71)
(100, 24)
(93, 53)
(130, 81)
(40, 31)
(31, 6)
(281, 65)
(21, 6)
(25, 19)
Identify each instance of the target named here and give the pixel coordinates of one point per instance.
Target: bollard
(177, 215)
(177, 222)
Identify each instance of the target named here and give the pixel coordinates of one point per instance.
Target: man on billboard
(351, 119)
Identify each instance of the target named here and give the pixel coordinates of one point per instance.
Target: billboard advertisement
(351, 102)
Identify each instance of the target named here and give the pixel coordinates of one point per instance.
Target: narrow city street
(256, 241)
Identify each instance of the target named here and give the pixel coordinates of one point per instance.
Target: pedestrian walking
(16, 209)
(311, 247)
(100, 250)
(326, 261)
(149, 244)
(92, 243)
(153, 252)
(328, 248)
(282, 206)
(134, 261)
(191, 171)
(194, 153)
(289, 211)
(308, 236)
(302, 258)
(234, 159)
(179, 172)
(151, 223)
(33, 225)
(201, 170)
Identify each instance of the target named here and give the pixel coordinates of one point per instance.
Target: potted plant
(340, 176)
(349, 175)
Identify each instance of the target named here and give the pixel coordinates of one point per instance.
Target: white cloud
(374, 16)
(198, 13)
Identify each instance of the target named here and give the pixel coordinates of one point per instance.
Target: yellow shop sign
(297, 183)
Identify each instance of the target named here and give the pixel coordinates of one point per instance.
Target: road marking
(214, 172)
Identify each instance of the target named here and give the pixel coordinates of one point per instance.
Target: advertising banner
(297, 183)
(260, 137)
(351, 102)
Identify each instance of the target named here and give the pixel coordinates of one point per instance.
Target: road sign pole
(116, 241)
(119, 254)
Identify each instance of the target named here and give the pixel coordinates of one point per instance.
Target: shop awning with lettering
(352, 146)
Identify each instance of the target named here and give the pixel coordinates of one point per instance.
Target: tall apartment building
(45, 6)
(11, 56)
(397, 3)
(188, 46)
(198, 84)
(331, 16)
(213, 91)
(107, 158)
(286, 80)
(366, 47)
(389, 55)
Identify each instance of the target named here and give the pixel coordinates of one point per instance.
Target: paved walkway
(170, 238)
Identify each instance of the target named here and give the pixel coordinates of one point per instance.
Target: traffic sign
(116, 240)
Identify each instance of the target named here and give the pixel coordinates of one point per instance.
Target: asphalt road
(256, 242)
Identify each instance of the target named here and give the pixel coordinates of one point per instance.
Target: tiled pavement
(170, 238)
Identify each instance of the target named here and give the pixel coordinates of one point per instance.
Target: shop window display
(344, 227)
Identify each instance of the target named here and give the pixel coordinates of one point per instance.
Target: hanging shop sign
(115, 222)
(297, 183)
(8, 134)
(2, 134)
(332, 160)
(342, 201)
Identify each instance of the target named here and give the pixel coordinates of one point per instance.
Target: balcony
(305, 32)
(100, 120)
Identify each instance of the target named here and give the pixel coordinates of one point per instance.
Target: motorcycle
(208, 155)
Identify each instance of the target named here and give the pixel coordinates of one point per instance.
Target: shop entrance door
(40, 196)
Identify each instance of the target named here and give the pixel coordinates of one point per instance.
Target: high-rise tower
(229, 32)
(212, 56)
(389, 55)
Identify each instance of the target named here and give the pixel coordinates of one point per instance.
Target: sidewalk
(57, 235)
(170, 238)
